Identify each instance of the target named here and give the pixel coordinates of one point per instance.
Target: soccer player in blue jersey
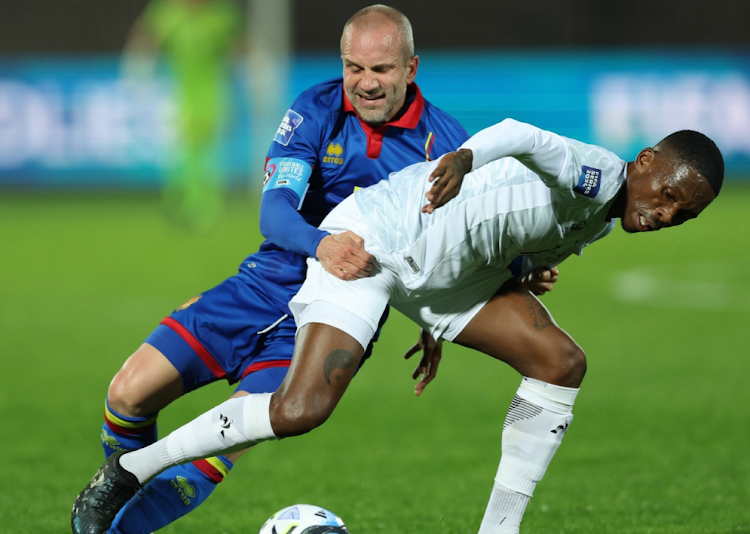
(338, 136)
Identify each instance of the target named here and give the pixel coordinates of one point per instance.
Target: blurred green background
(659, 443)
(90, 265)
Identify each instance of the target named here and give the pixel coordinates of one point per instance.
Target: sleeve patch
(287, 172)
(289, 123)
(588, 182)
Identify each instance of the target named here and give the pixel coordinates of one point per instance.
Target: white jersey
(531, 193)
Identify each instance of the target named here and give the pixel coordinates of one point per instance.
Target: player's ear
(644, 158)
(411, 66)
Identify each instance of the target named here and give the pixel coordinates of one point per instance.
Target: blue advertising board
(77, 122)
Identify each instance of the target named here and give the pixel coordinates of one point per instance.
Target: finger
(412, 351)
(447, 195)
(437, 187)
(542, 288)
(355, 270)
(419, 387)
(354, 238)
(437, 173)
(343, 274)
(360, 259)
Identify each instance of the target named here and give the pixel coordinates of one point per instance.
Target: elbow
(265, 226)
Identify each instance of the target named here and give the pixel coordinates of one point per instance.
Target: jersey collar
(408, 119)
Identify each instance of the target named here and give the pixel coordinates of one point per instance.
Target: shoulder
(307, 122)
(594, 171)
(321, 97)
(319, 105)
(438, 115)
(438, 120)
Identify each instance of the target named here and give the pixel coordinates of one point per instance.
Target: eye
(669, 195)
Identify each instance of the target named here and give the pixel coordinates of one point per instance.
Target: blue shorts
(233, 332)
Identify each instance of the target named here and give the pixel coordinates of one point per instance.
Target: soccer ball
(304, 519)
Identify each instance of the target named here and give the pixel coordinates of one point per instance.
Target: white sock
(232, 425)
(534, 427)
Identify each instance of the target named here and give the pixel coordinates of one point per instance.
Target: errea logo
(333, 154)
(183, 488)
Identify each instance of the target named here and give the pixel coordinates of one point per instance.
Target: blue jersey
(242, 329)
(321, 153)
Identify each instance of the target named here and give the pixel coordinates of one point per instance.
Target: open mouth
(644, 224)
(369, 99)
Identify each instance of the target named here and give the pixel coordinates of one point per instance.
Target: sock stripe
(520, 409)
(129, 425)
(213, 468)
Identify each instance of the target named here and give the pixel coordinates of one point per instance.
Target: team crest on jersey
(333, 154)
(588, 182)
(189, 303)
(289, 123)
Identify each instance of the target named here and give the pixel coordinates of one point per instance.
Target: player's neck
(617, 208)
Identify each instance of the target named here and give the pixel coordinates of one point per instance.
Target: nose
(369, 81)
(666, 215)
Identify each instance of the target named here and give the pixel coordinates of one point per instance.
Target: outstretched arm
(543, 152)
(342, 255)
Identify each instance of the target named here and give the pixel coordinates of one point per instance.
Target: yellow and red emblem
(189, 303)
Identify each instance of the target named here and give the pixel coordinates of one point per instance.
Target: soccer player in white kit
(511, 190)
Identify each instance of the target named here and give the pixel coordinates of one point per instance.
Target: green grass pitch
(660, 438)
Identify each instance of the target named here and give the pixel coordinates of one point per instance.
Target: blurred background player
(198, 40)
(338, 136)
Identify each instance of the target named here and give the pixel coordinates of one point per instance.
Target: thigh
(324, 363)
(516, 328)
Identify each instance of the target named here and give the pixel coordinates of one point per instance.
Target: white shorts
(444, 313)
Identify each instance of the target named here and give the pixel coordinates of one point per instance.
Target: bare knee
(566, 365)
(125, 398)
(146, 383)
(298, 415)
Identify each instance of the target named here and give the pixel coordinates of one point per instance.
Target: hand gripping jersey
(322, 153)
(532, 193)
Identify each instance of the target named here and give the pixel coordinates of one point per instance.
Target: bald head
(377, 52)
(380, 17)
